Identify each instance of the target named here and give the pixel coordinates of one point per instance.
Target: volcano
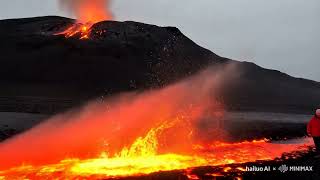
(43, 71)
(169, 120)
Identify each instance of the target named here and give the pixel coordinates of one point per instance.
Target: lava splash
(142, 158)
(135, 134)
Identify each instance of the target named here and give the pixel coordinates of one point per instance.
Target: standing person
(313, 129)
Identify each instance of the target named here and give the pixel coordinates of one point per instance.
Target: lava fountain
(134, 134)
(87, 12)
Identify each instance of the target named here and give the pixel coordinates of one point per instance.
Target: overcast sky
(277, 34)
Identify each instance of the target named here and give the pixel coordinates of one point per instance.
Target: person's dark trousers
(317, 143)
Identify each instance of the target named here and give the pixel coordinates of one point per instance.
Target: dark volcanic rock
(123, 56)
(254, 88)
(128, 53)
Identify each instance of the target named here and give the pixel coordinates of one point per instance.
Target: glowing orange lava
(142, 133)
(142, 157)
(79, 29)
(87, 12)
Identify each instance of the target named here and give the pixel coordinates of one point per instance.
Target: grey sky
(277, 34)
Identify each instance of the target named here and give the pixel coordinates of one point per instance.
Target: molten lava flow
(142, 157)
(87, 13)
(133, 134)
(79, 29)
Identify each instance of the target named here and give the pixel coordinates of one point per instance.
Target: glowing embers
(79, 30)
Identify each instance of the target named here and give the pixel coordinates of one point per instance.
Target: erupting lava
(87, 12)
(131, 135)
(83, 30)
(142, 158)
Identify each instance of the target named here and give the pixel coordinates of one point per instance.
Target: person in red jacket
(313, 129)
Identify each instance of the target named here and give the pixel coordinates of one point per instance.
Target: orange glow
(78, 29)
(142, 157)
(133, 134)
(87, 12)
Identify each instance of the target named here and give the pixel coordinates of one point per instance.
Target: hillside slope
(45, 73)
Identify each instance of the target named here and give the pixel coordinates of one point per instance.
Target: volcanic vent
(87, 12)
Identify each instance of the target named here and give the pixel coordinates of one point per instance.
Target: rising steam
(87, 10)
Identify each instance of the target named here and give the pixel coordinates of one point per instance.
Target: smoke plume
(88, 10)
